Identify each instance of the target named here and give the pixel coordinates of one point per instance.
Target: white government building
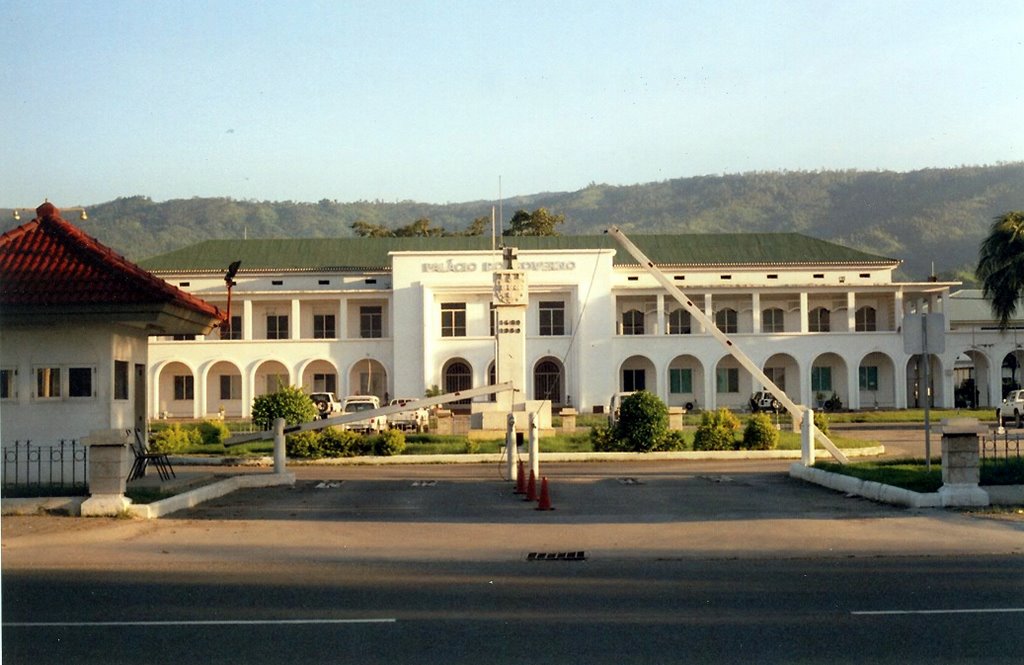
(398, 316)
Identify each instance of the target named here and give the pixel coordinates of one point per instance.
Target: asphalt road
(882, 610)
(680, 562)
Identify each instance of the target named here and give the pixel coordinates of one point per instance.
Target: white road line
(222, 622)
(983, 610)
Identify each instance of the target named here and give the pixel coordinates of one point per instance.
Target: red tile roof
(49, 262)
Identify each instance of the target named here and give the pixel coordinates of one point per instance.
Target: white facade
(593, 328)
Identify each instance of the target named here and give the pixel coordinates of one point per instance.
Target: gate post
(108, 473)
(511, 471)
(961, 469)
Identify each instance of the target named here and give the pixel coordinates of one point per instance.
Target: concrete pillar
(568, 415)
(755, 307)
(534, 438)
(675, 417)
(445, 422)
(279, 446)
(511, 470)
(807, 438)
(961, 464)
(109, 464)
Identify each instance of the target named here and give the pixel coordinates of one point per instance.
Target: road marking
(982, 610)
(220, 622)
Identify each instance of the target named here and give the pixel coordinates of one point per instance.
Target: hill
(926, 217)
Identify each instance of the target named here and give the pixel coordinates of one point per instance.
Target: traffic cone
(545, 496)
(531, 488)
(520, 480)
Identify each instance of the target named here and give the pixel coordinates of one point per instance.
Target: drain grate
(424, 483)
(556, 556)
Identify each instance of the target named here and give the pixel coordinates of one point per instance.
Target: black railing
(27, 466)
(1000, 447)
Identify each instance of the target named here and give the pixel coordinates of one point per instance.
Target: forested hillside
(923, 217)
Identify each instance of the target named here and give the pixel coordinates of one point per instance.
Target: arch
(637, 373)
(1011, 372)
(548, 380)
(784, 370)
(367, 376)
(972, 379)
(914, 371)
(865, 319)
(223, 381)
(175, 389)
(633, 322)
(726, 320)
(773, 320)
(732, 385)
(492, 378)
(819, 320)
(319, 375)
(268, 375)
(829, 376)
(679, 322)
(686, 382)
(876, 381)
(456, 375)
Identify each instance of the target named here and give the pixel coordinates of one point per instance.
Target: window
(183, 338)
(865, 319)
(458, 377)
(325, 383)
(234, 331)
(547, 382)
(121, 374)
(868, 377)
(48, 382)
(725, 320)
(679, 322)
(277, 326)
(727, 380)
(773, 320)
(634, 379)
(8, 389)
(821, 379)
(494, 320)
(680, 380)
(371, 321)
(777, 375)
(276, 381)
(819, 320)
(633, 322)
(231, 386)
(453, 319)
(80, 382)
(552, 318)
(184, 387)
(323, 326)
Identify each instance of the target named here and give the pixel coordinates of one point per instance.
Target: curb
(865, 488)
(207, 492)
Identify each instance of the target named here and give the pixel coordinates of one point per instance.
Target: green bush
(338, 442)
(175, 438)
(673, 440)
(642, 423)
(821, 421)
(389, 442)
(717, 431)
(213, 432)
(289, 402)
(472, 446)
(760, 433)
(603, 441)
(303, 445)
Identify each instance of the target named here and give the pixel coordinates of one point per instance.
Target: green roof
(314, 254)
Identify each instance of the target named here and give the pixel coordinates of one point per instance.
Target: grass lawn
(911, 474)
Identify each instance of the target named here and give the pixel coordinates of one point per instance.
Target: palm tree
(1001, 265)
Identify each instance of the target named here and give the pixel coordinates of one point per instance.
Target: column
(755, 307)
(709, 311)
(247, 319)
(295, 320)
(851, 311)
(803, 312)
(660, 317)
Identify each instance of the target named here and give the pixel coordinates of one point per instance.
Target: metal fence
(1000, 447)
(27, 465)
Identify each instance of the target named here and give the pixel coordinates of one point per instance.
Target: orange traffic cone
(531, 488)
(520, 480)
(545, 496)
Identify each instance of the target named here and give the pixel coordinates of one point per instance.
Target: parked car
(326, 403)
(763, 400)
(614, 406)
(415, 419)
(1012, 407)
(357, 403)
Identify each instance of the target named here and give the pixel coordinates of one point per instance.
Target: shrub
(673, 440)
(821, 421)
(289, 402)
(389, 442)
(213, 432)
(717, 431)
(603, 441)
(472, 446)
(338, 442)
(760, 433)
(303, 444)
(176, 438)
(642, 423)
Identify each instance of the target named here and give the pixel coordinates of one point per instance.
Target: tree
(477, 226)
(289, 402)
(421, 227)
(540, 222)
(642, 423)
(368, 230)
(1001, 265)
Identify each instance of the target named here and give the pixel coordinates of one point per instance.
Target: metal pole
(511, 471)
(927, 396)
(534, 446)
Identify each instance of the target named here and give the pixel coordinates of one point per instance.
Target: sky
(463, 101)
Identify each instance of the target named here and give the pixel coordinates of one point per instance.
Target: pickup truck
(1012, 407)
(415, 419)
(326, 403)
(357, 403)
